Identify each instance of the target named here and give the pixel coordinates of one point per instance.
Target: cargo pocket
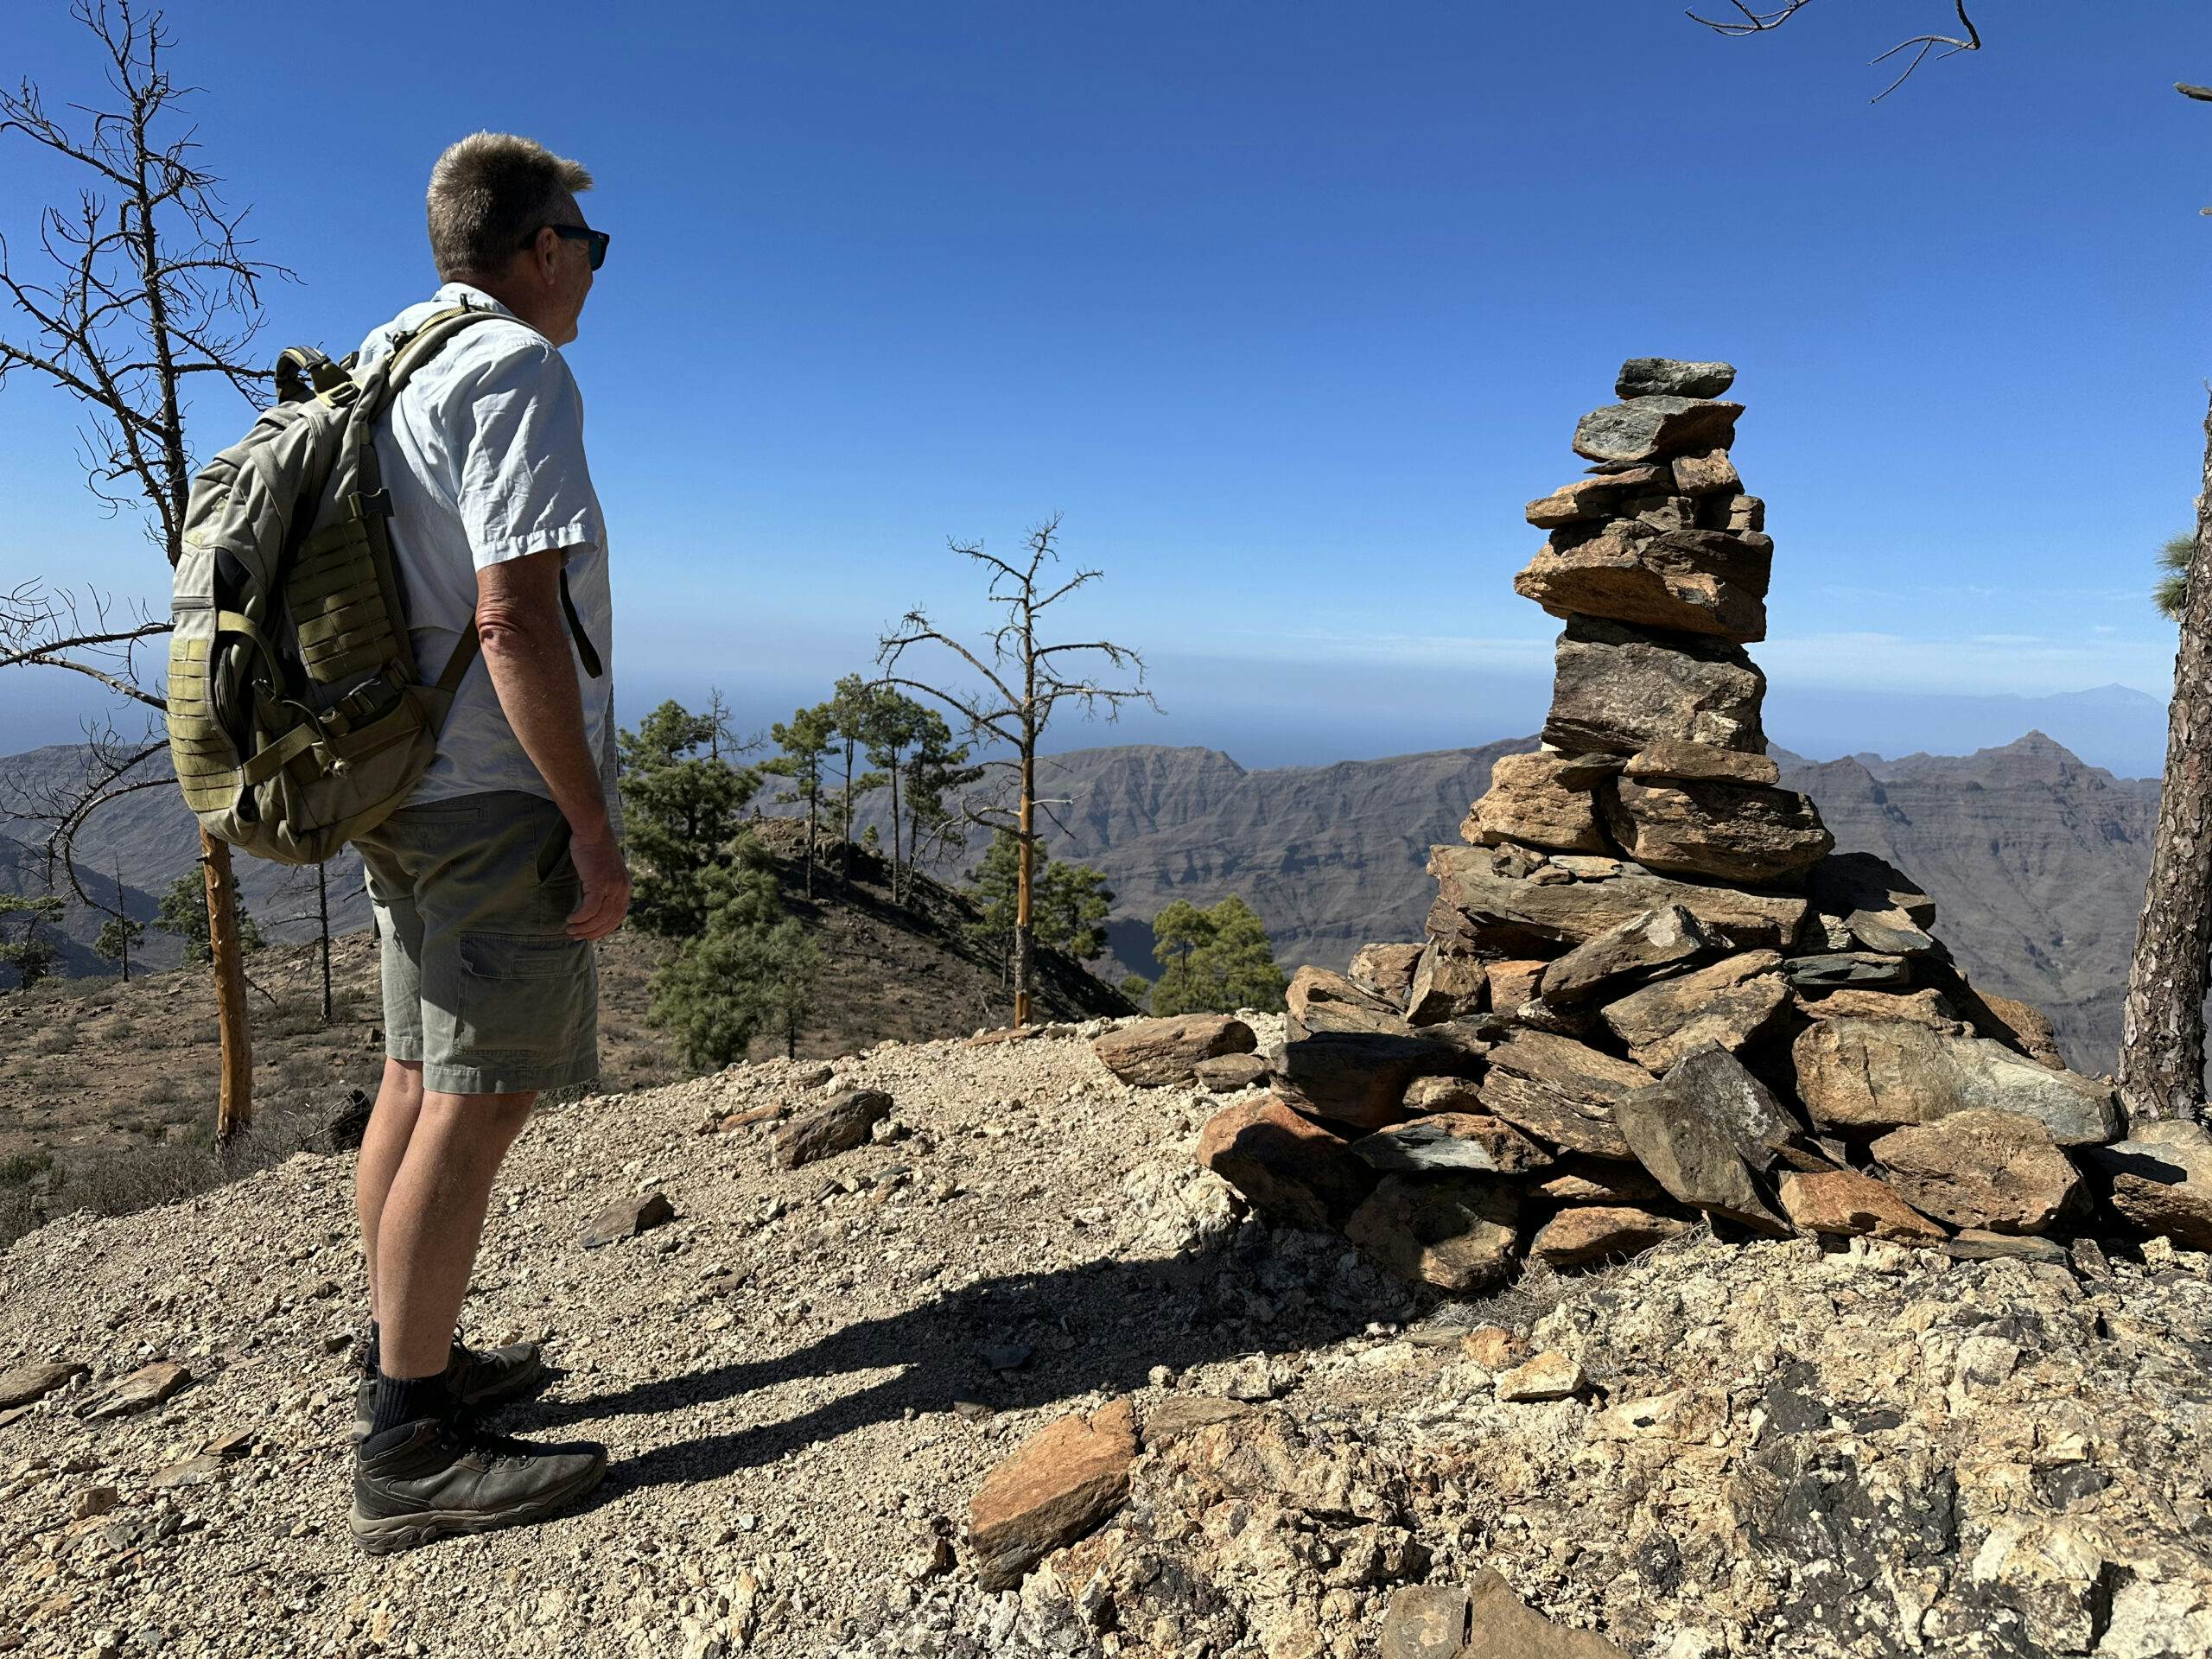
(528, 1003)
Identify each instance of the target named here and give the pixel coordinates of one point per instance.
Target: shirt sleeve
(524, 486)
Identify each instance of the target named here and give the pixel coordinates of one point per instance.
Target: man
(491, 884)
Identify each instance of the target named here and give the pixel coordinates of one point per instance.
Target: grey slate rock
(1643, 377)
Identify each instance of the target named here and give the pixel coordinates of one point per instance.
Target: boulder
(845, 1123)
(1458, 1232)
(1879, 906)
(1385, 971)
(1710, 473)
(1735, 832)
(1424, 1621)
(1290, 1169)
(1527, 802)
(1595, 498)
(1640, 571)
(1501, 1626)
(1228, 1074)
(1448, 1140)
(1667, 936)
(2160, 1180)
(1700, 1131)
(1160, 1053)
(1549, 1375)
(1863, 1075)
(1580, 1179)
(142, 1390)
(1513, 983)
(1861, 969)
(1561, 1091)
(1844, 1201)
(1484, 908)
(1358, 1079)
(1701, 763)
(1995, 1171)
(1974, 1245)
(2014, 1024)
(1585, 1233)
(1925, 1008)
(626, 1217)
(1446, 986)
(1728, 1003)
(21, 1384)
(1654, 427)
(1745, 513)
(1620, 689)
(1643, 376)
(1319, 1000)
(1056, 1486)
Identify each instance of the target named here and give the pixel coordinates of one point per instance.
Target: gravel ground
(803, 1377)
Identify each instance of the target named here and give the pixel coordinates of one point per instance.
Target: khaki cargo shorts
(481, 983)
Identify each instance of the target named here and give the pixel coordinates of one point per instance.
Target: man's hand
(607, 885)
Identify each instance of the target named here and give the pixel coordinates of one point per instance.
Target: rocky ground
(806, 1376)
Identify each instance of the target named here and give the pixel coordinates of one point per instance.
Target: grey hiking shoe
(480, 1381)
(432, 1479)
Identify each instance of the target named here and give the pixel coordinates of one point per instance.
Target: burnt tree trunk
(2162, 1037)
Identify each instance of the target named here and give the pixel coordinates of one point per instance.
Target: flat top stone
(1642, 377)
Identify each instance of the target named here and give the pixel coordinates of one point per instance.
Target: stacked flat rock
(1651, 991)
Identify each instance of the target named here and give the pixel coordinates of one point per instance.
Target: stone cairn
(1651, 992)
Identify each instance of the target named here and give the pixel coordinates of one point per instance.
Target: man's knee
(490, 1118)
(402, 1085)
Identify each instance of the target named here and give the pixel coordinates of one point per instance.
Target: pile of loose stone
(1651, 992)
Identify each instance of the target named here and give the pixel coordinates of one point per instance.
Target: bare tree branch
(1749, 21)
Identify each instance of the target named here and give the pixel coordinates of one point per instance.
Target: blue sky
(1288, 309)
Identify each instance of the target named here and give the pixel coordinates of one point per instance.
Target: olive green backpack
(297, 718)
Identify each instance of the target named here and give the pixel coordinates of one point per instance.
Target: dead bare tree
(1027, 681)
(1749, 20)
(146, 286)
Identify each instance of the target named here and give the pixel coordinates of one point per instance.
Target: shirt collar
(466, 293)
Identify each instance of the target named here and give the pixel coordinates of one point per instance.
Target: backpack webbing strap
(463, 657)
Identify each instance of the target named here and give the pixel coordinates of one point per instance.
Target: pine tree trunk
(894, 826)
(813, 796)
(234, 1105)
(2162, 1037)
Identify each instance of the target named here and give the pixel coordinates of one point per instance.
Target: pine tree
(806, 741)
(938, 767)
(1069, 903)
(1214, 961)
(752, 970)
(854, 711)
(896, 724)
(30, 954)
(183, 912)
(682, 807)
(116, 936)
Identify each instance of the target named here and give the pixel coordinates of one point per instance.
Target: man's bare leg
(430, 1220)
(392, 1123)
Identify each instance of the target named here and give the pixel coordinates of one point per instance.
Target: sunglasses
(599, 239)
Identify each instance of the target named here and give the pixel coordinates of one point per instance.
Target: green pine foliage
(804, 743)
(1214, 961)
(118, 938)
(1136, 988)
(682, 801)
(29, 953)
(750, 971)
(183, 912)
(2172, 594)
(1068, 903)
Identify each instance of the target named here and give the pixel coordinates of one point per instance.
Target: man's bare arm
(525, 637)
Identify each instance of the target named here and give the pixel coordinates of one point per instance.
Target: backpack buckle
(376, 501)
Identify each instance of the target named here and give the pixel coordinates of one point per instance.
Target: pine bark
(234, 1104)
(2162, 1034)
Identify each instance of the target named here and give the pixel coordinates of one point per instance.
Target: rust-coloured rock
(1620, 689)
(1640, 947)
(1446, 986)
(1502, 1626)
(1156, 1053)
(841, 1124)
(1528, 803)
(1290, 1169)
(1359, 1079)
(2160, 1181)
(1701, 763)
(1595, 498)
(1561, 1091)
(1319, 1000)
(1845, 1201)
(1685, 581)
(1055, 1487)
(1226, 1074)
(1732, 832)
(1386, 970)
(1583, 1233)
(1925, 1008)
(1997, 1172)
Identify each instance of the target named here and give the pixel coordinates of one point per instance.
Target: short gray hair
(488, 194)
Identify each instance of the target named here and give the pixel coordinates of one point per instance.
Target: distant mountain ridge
(2036, 860)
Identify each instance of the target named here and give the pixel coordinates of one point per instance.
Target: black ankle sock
(402, 1400)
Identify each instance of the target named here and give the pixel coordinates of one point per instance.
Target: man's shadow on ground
(1122, 1318)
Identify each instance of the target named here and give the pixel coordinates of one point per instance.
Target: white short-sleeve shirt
(483, 456)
